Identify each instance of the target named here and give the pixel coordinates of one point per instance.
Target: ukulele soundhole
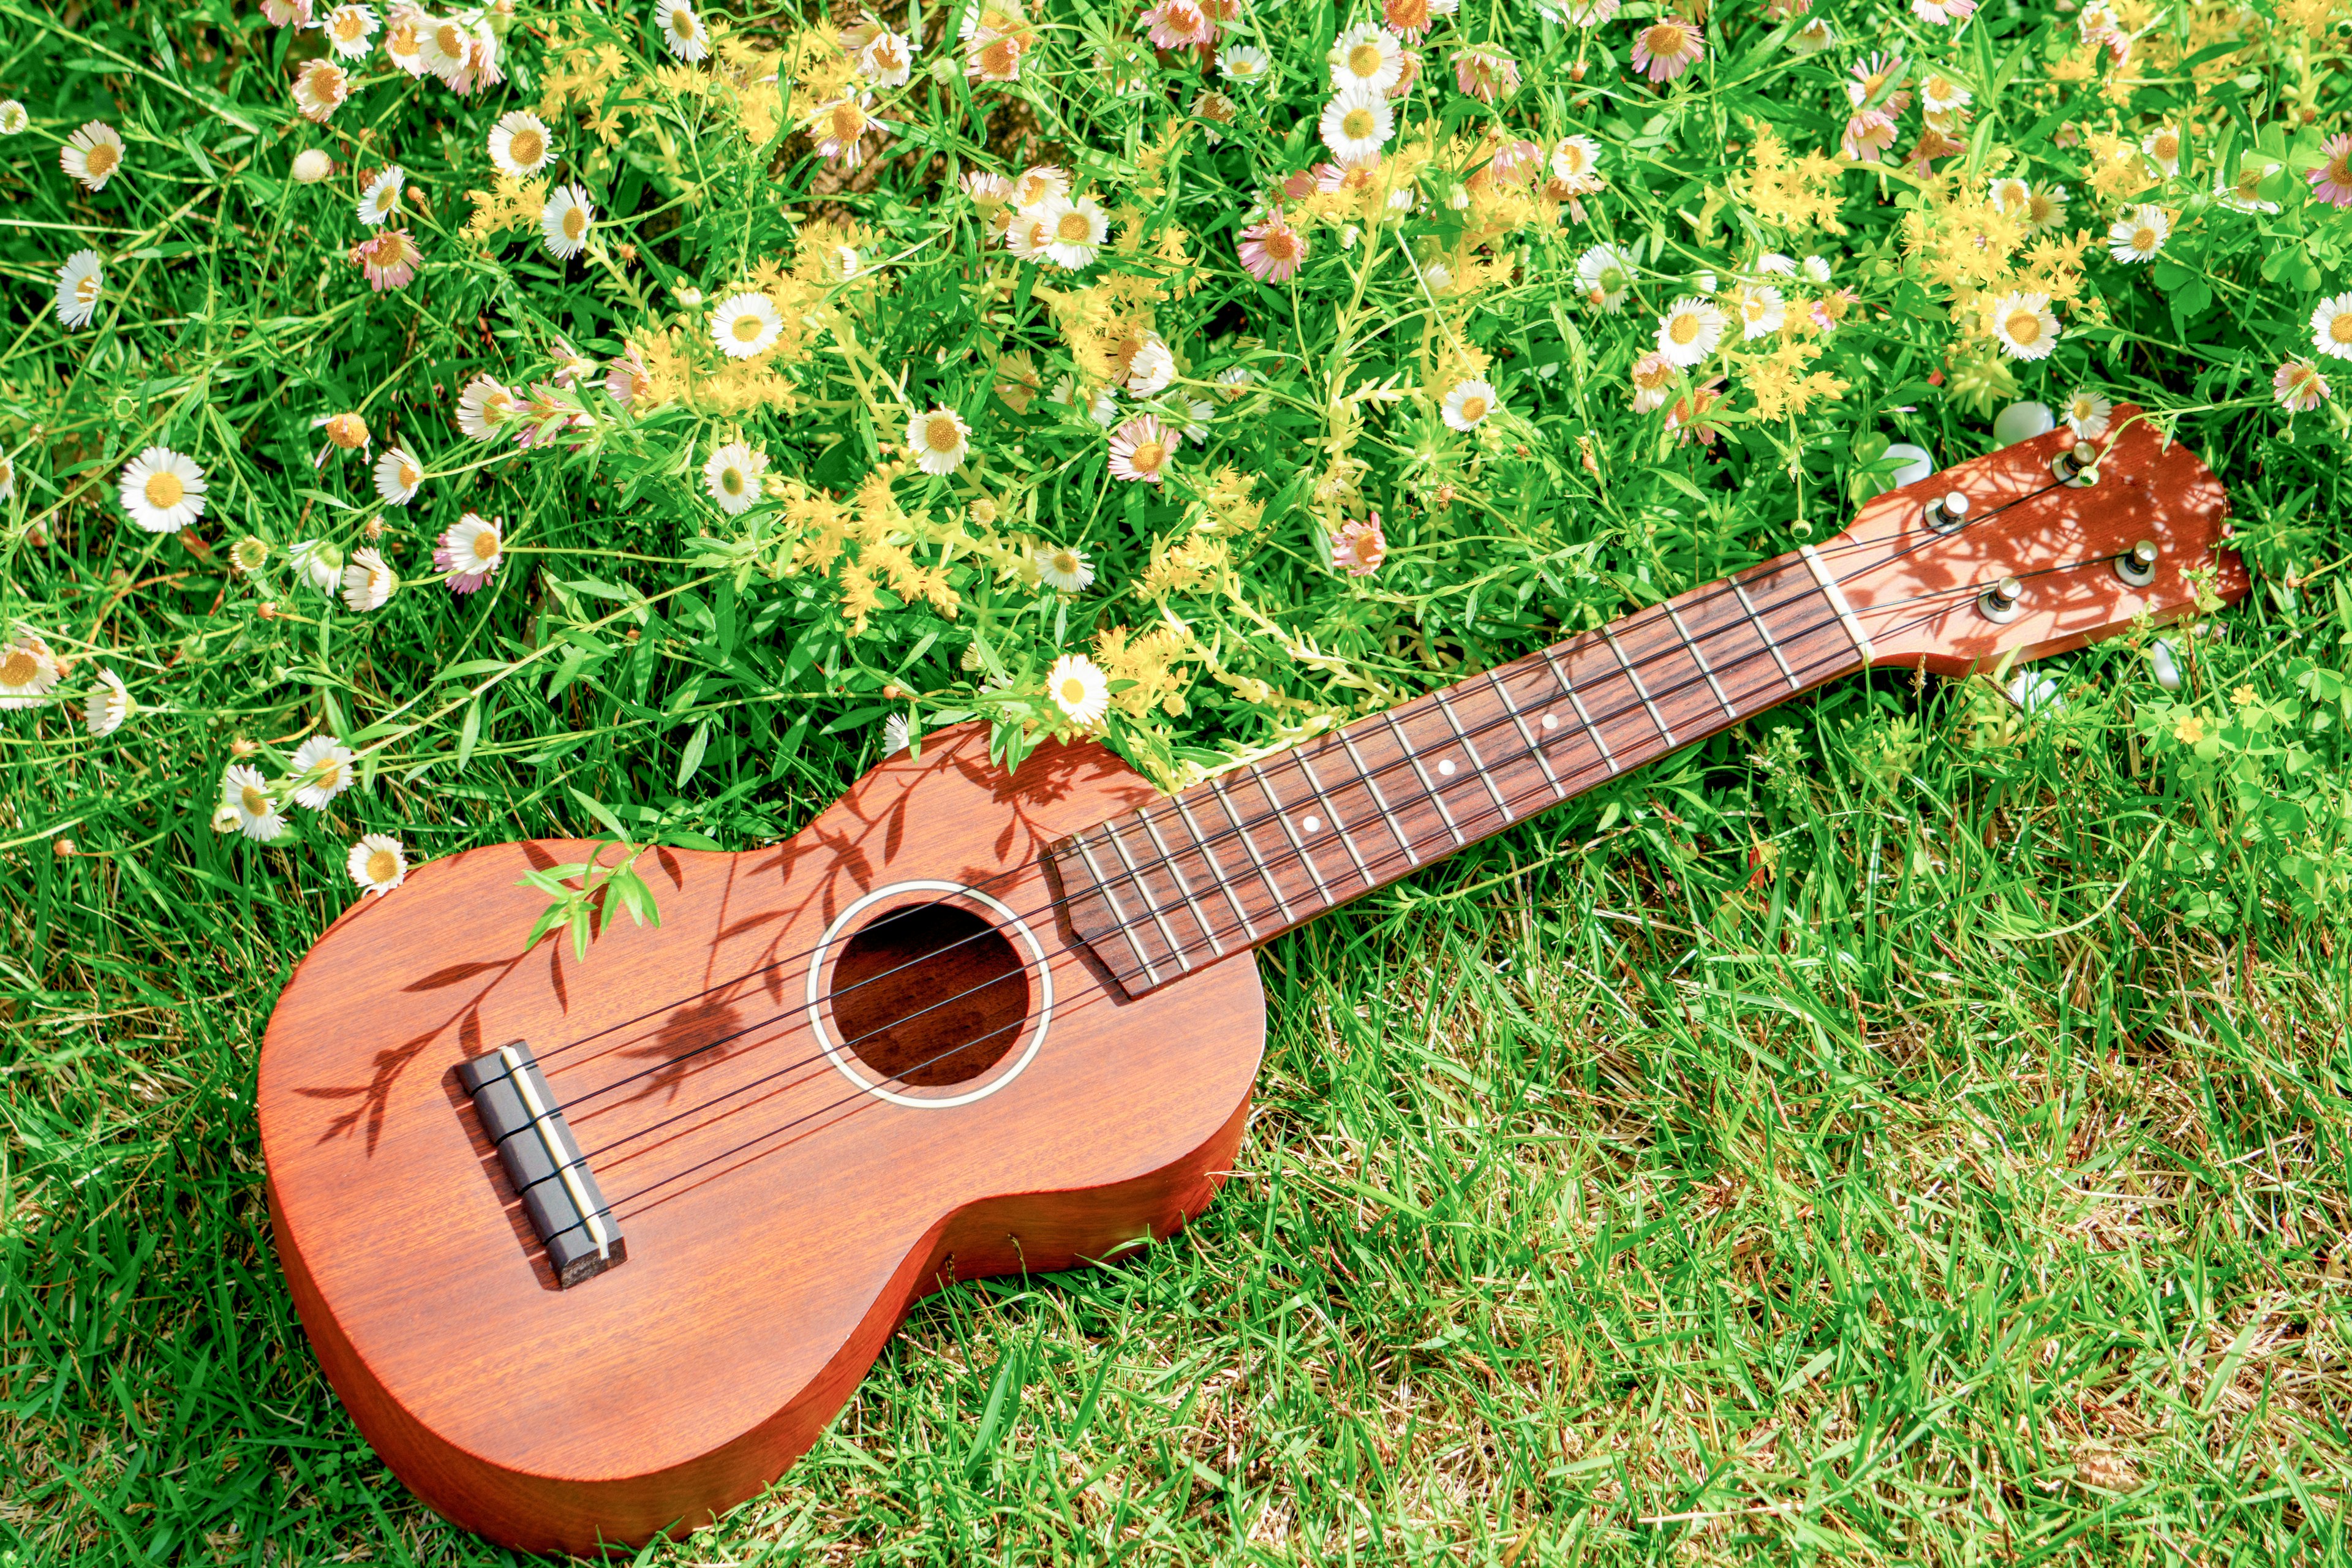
(929, 994)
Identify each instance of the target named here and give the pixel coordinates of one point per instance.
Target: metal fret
(1429, 789)
(1217, 788)
(1704, 668)
(1175, 947)
(1168, 859)
(1765, 632)
(1558, 789)
(1117, 910)
(1388, 819)
(1471, 751)
(1568, 690)
(1639, 689)
(1224, 884)
(1315, 787)
(1282, 816)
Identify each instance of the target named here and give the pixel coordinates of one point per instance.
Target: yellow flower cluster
(510, 203)
(1796, 195)
(1151, 661)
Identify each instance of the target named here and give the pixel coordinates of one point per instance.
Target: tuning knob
(2002, 602)
(2137, 565)
(1948, 513)
(2078, 466)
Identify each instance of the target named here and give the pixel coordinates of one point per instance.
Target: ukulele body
(782, 1198)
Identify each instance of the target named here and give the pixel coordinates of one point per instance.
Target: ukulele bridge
(525, 1120)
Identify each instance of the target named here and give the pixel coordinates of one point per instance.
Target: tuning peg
(1948, 513)
(2078, 466)
(2137, 565)
(2000, 601)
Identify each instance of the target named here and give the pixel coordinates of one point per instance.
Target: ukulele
(593, 1250)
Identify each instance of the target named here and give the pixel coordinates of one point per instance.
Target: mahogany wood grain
(758, 1289)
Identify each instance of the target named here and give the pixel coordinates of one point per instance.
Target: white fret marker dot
(1551, 721)
(1445, 768)
(1313, 825)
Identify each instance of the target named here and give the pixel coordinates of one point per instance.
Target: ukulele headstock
(2042, 555)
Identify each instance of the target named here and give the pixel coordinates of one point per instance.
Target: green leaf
(469, 732)
(692, 760)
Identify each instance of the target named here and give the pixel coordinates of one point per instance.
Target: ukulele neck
(1237, 860)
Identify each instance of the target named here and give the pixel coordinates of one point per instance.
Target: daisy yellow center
(526, 145)
(2249, 184)
(940, 433)
(747, 327)
(486, 545)
(402, 40)
(2024, 328)
(849, 122)
(327, 775)
(1474, 409)
(1282, 245)
(1147, 456)
(2144, 239)
(1572, 159)
(163, 491)
(1663, 39)
(1651, 374)
(86, 288)
(730, 479)
(101, 159)
(1937, 89)
(1074, 691)
(349, 27)
(450, 39)
(496, 409)
(1357, 124)
(19, 669)
(1872, 84)
(998, 58)
(1364, 59)
(2084, 409)
(1066, 563)
(1684, 327)
(411, 476)
(383, 865)
(2340, 329)
(257, 801)
(1243, 66)
(575, 222)
(2340, 168)
(681, 22)
(2039, 208)
(2168, 147)
(1072, 228)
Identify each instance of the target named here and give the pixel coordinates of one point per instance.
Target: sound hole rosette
(839, 1049)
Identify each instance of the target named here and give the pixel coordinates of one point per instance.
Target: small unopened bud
(312, 164)
(890, 693)
(242, 748)
(1575, 71)
(348, 431)
(266, 609)
(224, 818)
(373, 529)
(626, 254)
(65, 848)
(983, 511)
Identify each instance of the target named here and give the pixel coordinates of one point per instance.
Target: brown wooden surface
(760, 1285)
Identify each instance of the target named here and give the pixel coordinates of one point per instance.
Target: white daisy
(1817, 270)
(398, 476)
(1151, 368)
(244, 792)
(1041, 183)
(1140, 448)
(1080, 690)
(1761, 311)
(92, 154)
(1078, 234)
(13, 118)
(2245, 192)
(471, 552)
(732, 477)
(377, 863)
(1576, 164)
(27, 669)
(521, 143)
(1233, 381)
(1689, 332)
(312, 164)
(350, 29)
(7, 478)
(163, 491)
(1197, 416)
(1941, 94)
(79, 283)
(1356, 125)
(485, 409)
(109, 705)
(2087, 413)
(403, 38)
(683, 31)
(2162, 146)
(367, 581)
(746, 325)
(319, 561)
(565, 221)
(380, 202)
(1243, 63)
(1066, 568)
(1772, 264)
(2331, 327)
(320, 770)
(1607, 274)
(2046, 209)
(320, 89)
(2139, 234)
(940, 440)
(1365, 57)
(2025, 326)
(1467, 406)
(887, 59)
(2011, 193)
(448, 44)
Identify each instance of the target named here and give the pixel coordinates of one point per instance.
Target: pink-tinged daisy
(2299, 387)
(1359, 547)
(1140, 448)
(1487, 74)
(1177, 25)
(379, 201)
(2332, 181)
(287, 13)
(1467, 406)
(321, 770)
(2162, 146)
(1689, 332)
(1213, 109)
(81, 282)
(92, 155)
(485, 409)
(1688, 418)
(403, 38)
(377, 863)
(565, 220)
(1870, 80)
(1830, 309)
(246, 801)
(1654, 375)
(2139, 234)
(1271, 250)
(320, 89)
(1868, 133)
(1410, 19)
(2087, 413)
(1666, 48)
(839, 130)
(1356, 125)
(2331, 327)
(940, 440)
(1364, 57)
(1944, 13)
(387, 258)
(350, 29)
(625, 380)
(163, 491)
(994, 59)
(1815, 37)
(2025, 326)
(1080, 690)
(27, 670)
(1514, 162)
(469, 552)
(520, 144)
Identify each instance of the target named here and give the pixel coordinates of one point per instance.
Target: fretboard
(1246, 855)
